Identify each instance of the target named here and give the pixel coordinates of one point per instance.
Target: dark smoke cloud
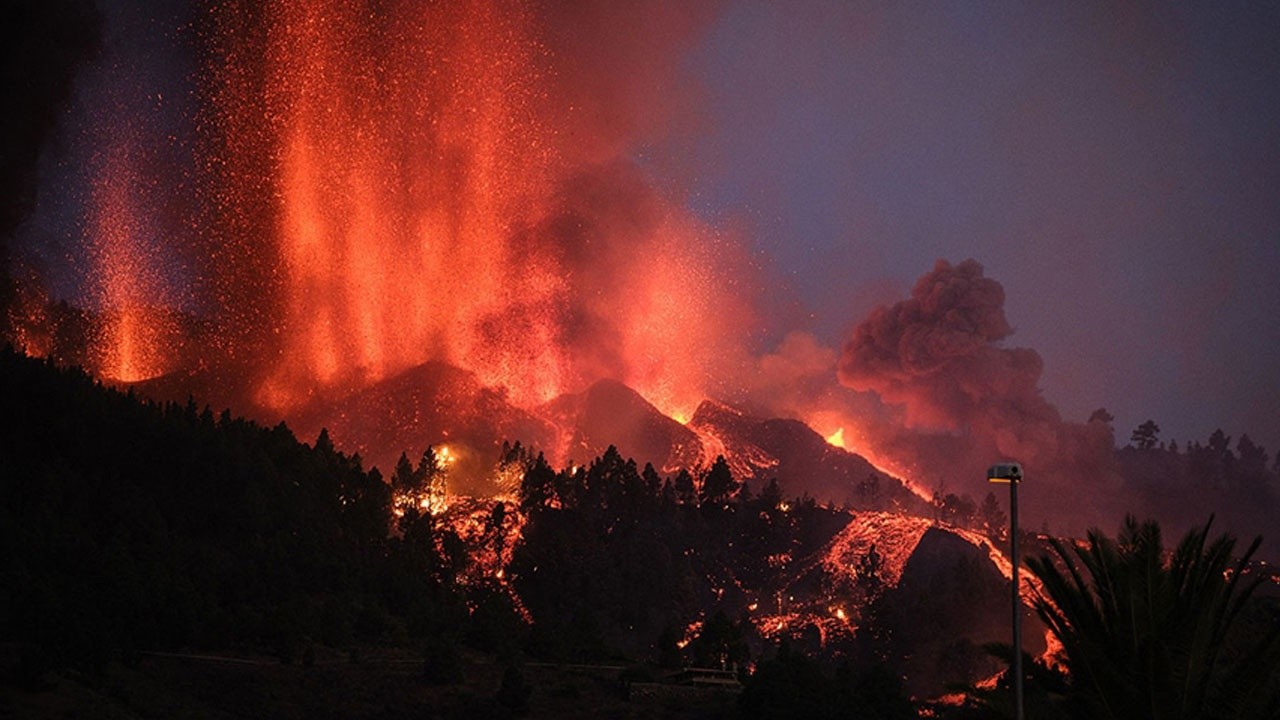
(937, 355)
(966, 401)
(42, 44)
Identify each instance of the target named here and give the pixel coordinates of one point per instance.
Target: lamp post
(1011, 473)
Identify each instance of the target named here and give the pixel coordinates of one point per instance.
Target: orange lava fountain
(423, 206)
(133, 332)
(405, 154)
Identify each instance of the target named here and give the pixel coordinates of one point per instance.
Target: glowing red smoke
(937, 354)
(966, 398)
(418, 183)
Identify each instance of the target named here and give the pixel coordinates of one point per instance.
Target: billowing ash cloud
(967, 401)
(937, 355)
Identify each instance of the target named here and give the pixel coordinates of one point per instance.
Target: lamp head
(1005, 473)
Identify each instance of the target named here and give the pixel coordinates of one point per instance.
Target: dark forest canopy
(133, 526)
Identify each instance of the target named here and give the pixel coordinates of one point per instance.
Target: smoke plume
(965, 400)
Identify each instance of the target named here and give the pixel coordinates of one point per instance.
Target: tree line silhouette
(137, 526)
(132, 526)
(615, 560)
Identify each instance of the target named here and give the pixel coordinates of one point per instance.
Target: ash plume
(42, 44)
(963, 400)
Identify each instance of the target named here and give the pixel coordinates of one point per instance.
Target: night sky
(1117, 169)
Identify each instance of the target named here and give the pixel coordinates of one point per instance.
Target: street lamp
(1011, 473)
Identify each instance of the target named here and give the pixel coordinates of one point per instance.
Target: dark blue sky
(1116, 169)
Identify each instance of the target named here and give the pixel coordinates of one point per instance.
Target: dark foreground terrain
(382, 685)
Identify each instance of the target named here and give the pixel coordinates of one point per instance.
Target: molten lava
(402, 176)
(406, 152)
(133, 332)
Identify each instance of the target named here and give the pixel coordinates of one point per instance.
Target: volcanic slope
(431, 404)
(759, 449)
(610, 413)
(440, 404)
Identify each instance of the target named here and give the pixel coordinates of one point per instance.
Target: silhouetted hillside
(431, 404)
(136, 526)
(610, 413)
(803, 461)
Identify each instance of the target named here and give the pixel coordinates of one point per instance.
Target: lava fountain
(397, 177)
(134, 331)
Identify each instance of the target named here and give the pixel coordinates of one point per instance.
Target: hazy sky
(1116, 169)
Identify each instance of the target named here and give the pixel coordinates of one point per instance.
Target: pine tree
(718, 483)
(1146, 436)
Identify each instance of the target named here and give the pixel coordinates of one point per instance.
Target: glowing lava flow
(1030, 589)
(895, 537)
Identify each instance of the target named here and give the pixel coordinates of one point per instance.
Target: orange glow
(421, 201)
(837, 438)
(132, 330)
(407, 153)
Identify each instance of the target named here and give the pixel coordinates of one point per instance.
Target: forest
(133, 528)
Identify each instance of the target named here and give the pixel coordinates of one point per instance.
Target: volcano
(431, 404)
(610, 413)
(757, 449)
(761, 449)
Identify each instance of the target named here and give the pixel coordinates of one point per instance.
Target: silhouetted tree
(789, 686)
(994, 522)
(720, 643)
(1146, 436)
(718, 483)
(869, 570)
(1101, 415)
(153, 526)
(498, 516)
(685, 491)
(771, 496)
(404, 480)
(1146, 637)
(1251, 468)
(537, 487)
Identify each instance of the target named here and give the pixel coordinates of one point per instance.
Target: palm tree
(1146, 637)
